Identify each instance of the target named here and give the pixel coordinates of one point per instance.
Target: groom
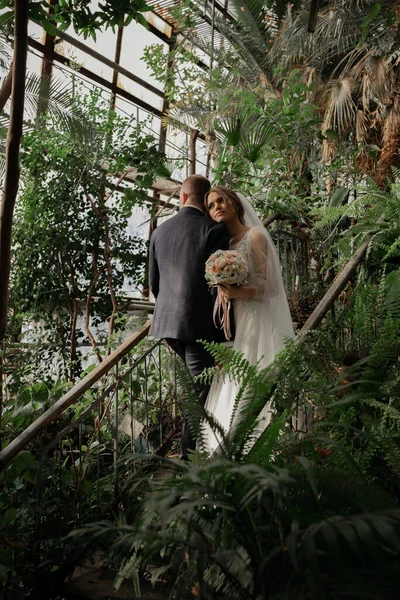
(183, 314)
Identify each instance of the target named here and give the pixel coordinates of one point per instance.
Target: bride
(261, 311)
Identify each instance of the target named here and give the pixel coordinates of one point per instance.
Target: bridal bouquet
(225, 266)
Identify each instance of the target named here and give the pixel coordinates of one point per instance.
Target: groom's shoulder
(213, 225)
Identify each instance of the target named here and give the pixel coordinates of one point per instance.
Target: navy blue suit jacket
(179, 249)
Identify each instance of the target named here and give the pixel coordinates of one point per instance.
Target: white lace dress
(251, 328)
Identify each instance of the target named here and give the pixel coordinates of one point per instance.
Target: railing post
(131, 411)
(80, 473)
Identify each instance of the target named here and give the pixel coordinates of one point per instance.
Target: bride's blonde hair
(229, 196)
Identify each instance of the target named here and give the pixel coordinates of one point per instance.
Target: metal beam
(100, 80)
(109, 63)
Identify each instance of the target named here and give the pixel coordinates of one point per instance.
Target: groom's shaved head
(194, 189)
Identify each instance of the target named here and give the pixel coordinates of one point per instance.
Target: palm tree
(351, 60)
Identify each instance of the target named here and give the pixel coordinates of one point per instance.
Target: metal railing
(293, 254)
(112, 382)
(133, 410)
(76, 463)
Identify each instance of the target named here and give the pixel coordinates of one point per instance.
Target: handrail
(337, 286)
(26, 436)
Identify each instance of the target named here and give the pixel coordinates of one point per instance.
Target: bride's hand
(228, 291)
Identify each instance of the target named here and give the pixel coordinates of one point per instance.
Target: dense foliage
(307, 125)
(72, 247)
(81, 14)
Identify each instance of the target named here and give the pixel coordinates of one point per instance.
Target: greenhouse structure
(199, 299)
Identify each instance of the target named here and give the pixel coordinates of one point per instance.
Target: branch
(107, 258)
(193, 137)
(5, 91)
(74, 315)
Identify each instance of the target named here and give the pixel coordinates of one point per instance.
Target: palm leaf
(55, 96)
(340, 110)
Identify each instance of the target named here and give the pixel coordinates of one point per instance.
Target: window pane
(105, 45)
(134, 40)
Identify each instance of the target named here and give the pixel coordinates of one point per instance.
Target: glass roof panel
(130, 109)
(34, 63)
(36, 32)
(201, 157)
(140, 92)
(177, 151)
(134, 40)
(65, 72)
(82, 58)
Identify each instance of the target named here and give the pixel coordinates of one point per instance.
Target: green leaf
(3, 574)
(330, 133)
(374, 12)
(163, 171)
(308, 467)
(140, 19)
(49, 27)
(157, 572)
(29, 476)
(10, 515)
(136, 387)
(233, 137)
(87, 487)
(24, 462)
(6, 17)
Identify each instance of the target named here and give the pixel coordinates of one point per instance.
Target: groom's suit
(179, 249)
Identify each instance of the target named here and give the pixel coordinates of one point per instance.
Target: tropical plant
(57, 483)
(77, 223)
(283, 520)
(371, 213)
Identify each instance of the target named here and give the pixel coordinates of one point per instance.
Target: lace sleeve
(259, 255)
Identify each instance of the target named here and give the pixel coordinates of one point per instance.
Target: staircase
(129, 403)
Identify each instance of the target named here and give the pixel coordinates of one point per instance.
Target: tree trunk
(213, 147)
(11, 180)
(389, 156)
(312, 21)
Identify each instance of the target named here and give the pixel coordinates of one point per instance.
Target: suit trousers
(197, 358)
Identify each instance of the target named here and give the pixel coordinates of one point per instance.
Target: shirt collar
(191, 206)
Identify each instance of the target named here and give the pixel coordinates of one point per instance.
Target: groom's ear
(184, 198)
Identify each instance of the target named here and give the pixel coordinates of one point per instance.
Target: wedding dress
(262, 323)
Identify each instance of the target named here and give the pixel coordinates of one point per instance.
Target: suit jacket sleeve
(154, 274)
